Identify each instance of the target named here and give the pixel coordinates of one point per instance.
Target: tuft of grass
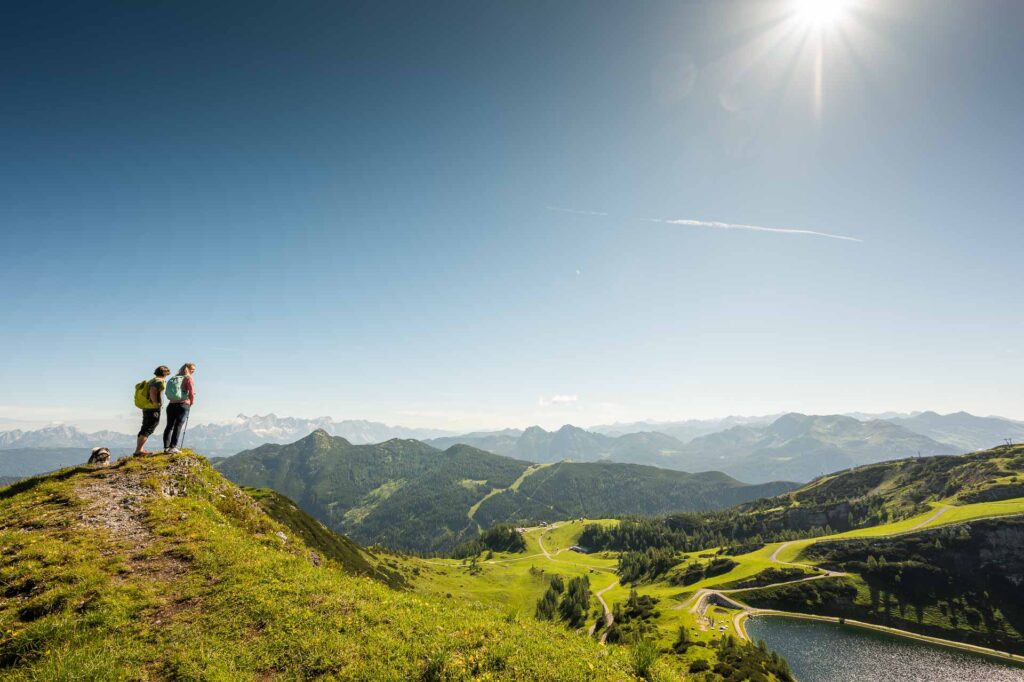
(643, 656)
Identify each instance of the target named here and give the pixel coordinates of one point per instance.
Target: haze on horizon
(484, 215)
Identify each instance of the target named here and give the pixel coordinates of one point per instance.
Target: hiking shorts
(150, 418)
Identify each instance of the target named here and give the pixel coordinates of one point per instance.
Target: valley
(806, 578)
(707, 609)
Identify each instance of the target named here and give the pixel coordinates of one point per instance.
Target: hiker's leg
(150, 418)
(179, 430)
(172, 418)
(175, 424)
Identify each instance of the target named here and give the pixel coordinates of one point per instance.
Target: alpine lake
(820, 651)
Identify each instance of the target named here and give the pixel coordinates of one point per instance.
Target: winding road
(608, 617)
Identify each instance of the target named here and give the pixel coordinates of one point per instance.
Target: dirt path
(737, 625)
(540, 541)
(938, 512)
(608, 617)
(115, 501)
(775, 555)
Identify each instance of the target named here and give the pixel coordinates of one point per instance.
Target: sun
(820, 14)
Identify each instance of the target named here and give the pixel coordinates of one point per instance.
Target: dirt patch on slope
(114, 501)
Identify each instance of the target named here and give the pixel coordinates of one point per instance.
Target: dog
(100, 457)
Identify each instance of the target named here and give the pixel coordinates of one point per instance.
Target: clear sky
(459, 214)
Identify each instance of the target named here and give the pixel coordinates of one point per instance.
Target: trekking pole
(184, 429)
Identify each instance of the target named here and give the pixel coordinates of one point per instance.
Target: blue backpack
(175, 391)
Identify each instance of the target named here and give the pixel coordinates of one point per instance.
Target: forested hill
(408, 495)
(858, 498)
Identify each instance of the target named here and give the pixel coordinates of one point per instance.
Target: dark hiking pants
(150, 418)
(177, 413)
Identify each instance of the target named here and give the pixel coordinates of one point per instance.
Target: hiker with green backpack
(147, 399)
(181, 394)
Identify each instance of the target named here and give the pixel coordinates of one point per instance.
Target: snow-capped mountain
(220, 439)
(62, 436)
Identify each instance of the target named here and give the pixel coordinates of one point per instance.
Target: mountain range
(573, 443)
(218, 439)
(245, 432)
(802, 447)
(754, 449)
(792, 447)
(409, 495)
(685, 430)
(63, 436)
(964, 430)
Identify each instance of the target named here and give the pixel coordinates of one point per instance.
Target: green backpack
(175, 391)
(142, 400)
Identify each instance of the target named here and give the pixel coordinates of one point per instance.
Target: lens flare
(820, 13)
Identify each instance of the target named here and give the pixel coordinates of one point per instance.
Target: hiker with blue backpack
(181, 395)
(147, 399)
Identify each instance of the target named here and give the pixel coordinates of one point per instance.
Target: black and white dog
(100, 456)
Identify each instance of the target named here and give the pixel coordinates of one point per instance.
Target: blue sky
(347, 209)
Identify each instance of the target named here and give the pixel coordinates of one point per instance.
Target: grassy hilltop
(159, 568)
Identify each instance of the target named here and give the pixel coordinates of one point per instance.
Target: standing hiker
(181, 394)
(147, 399)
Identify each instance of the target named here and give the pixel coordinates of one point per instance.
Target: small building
(581, 550)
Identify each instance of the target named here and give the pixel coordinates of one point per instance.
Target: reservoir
(829, 652)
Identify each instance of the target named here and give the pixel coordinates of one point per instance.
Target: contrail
(754, 228)
(714, 224)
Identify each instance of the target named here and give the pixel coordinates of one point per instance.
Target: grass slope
(158, 568)
(318, 537)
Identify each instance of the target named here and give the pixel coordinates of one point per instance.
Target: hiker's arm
(154, 395)
(191, 391)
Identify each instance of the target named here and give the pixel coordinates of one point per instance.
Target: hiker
(181, 395)
(147, 399)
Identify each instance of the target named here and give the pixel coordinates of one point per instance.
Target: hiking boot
(174, 451)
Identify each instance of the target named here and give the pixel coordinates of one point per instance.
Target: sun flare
(820, 13)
